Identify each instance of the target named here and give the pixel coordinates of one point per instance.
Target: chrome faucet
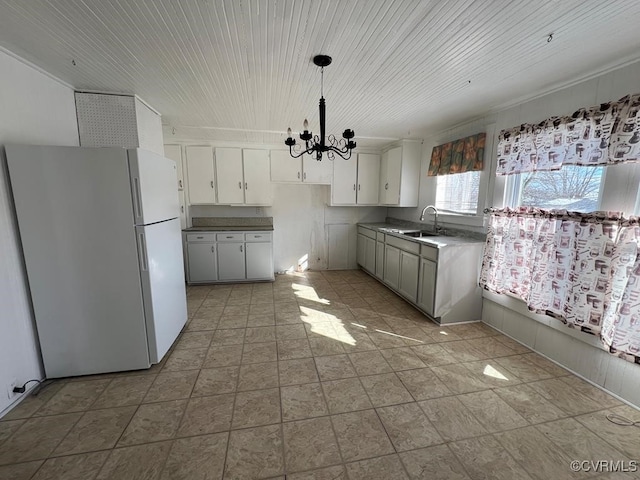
(435, 216)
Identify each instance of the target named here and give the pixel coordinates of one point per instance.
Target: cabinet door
(368, 178)
(200, 175)
(370, 255)
(379, 260)
(174, 152)
(285, 168)
(391, 266)
(183, 210)
(259, 261)
(391, 176)
(231, 261)
(257, 187)
(202, 262)
(360, 250)
(343, 190)
(427, 292)
(409, 269)
(314, 171)
(229, 176)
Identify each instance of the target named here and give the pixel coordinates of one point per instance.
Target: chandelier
(317, 145)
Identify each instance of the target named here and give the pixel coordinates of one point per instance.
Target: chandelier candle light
(316, 144)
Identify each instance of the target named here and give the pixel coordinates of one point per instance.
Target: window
(459, 192)
(575, 188)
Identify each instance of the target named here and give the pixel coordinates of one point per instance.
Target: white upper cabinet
(174, 152)
(400, 175)
(229, 175)
(257, 188)
(355, 181)
(200, 175)
(286, 169)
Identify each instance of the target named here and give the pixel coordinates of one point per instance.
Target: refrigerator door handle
(143, 252)
(138, 201)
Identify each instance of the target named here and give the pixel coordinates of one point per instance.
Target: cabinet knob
(298, 175)
(211, 183)
(386, 186)
(358, 187)
(212, 250)
(241, 248)
(181, 208)
(304, 175)
(240, 185)
(245, 186)
(354, 187)
(180, 183)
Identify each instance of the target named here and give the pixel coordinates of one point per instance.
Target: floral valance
(583, 269)
(604, 134)
(459, 156)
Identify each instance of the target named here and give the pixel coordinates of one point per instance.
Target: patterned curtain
(459, 156)
(582, 269)
(605, 134)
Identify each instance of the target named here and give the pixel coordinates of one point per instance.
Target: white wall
(39, 110)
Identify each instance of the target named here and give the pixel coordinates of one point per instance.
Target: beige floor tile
(408, 427)
(491, 347)
(485, 458)
(539, 456)
(512, 344)
(532, 406)
(548, 365)
(223, 356)
(523, 368)
(385, 389)
(153, 422)
(37, 438)
(258, 376)
(292, 349)
(74, 467)
(290, 332)
(462, 351)
(261, 321)
(334, 367)
(199, 457)
(74, 397)
(491, 411)
(594, 393)
(171, 386)
(30, 405)
(233, 321)
(337, 472)
(625, 439)
(492, 374)
(433, 355)
(262, 308)
(257, 407)
(402, 359)
(288, 318)
(20, 471)
(260, 334)
(302, 401)
(96, 430)
(388, 467)
(255, 453)
(190, 359)
(194, 340)
(459, 379)
(384, 338)
(215, 381)
(361, 435)
(138, 462)
(231, 336)
(452, 419)
(302, 370)
(568, 399)
(360, 342)
(205, 415)
(369, 363)
(202, 324)
(8, 428)
(443, 334)
(324, 346)
(310, 444)
(259, 352)
(423, 384)
(433, 463)
(234, 310)
(124, 391)
(345, 395)
(472, 330)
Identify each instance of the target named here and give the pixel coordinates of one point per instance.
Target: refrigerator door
(153, 186)
(74, 213)
(163, 287)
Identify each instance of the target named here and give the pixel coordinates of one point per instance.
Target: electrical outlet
(259, 211)
(13, 383)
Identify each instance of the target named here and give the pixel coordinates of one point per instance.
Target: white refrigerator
(102, 247)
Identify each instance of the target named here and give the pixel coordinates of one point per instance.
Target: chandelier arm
(295, 154)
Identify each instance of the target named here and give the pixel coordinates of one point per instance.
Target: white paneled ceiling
(241, 70)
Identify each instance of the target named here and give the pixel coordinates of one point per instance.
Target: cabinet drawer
(230, 237)
(406, 245)
(201, 237)
(429, 252)
(366, 232)
(257, 237)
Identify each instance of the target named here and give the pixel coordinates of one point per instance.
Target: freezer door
(153, 187)
(163, 287)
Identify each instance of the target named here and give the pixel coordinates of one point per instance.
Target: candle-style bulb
(306, 124)
(289, 132)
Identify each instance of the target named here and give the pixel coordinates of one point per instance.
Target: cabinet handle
(212, 251)
(245, 186)
(257, 236)
(211, 183)
(229, 236)
(304, 175)
(241, 248)
(240, 185)
(180, 183)
(298, 175)
(181, 208)
(358, 187)
(199, 238)
(386, 186)
(354, 187)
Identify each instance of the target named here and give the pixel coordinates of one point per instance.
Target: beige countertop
(230, 224)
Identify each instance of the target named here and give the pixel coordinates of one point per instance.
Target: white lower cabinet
(427, 293)
(408, 283)
(231, 261)
(370, 255)
(392, 266)
(360, 249)
(379, 260)
(202, 261)
(259, 261)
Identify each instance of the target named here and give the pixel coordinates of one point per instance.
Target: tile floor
(319, 376)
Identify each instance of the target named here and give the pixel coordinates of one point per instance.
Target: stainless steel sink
(418, 233)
